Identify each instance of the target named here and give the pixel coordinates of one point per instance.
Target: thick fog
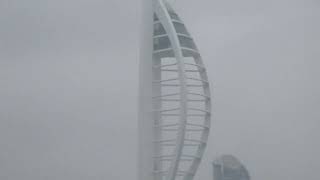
(69, 86)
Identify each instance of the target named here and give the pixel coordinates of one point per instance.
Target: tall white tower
(175, 104)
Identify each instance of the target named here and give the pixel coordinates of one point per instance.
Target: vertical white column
(146, 121)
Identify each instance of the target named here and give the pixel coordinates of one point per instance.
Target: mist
(69, 86)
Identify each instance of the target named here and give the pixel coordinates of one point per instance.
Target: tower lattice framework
(175, 101)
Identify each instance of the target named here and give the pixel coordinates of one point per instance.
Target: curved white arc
(164, 17)
(204, 137)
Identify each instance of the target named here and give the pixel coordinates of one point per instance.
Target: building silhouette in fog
(174, 99)
(227, 167)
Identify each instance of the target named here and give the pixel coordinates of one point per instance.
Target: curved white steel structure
(175, 104)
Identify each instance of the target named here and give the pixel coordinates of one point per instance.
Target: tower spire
(175, 101)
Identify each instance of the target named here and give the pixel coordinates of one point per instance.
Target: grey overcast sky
(69, 76)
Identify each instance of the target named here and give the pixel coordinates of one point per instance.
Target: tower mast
(175, 103)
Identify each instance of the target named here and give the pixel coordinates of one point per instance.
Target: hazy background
(69, 76)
